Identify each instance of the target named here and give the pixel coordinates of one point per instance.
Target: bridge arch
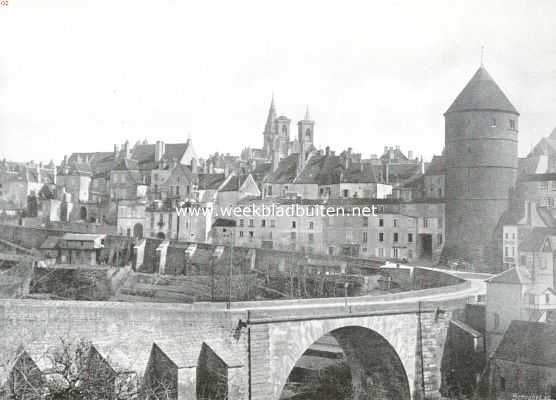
(383, 347)
(374, 366)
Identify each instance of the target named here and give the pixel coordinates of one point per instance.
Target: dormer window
(308, 133)
(512, 124)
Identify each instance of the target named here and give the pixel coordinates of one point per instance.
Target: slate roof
(210, 181)
(126, 164)
(482, 93)
(436, 166)
(393, 154)
(144, 153)
(234, 183)
(528, 165)
(331, 169)
(286, 171)
(528, 342)
(514, 276)
(534, 241)
(99, 162)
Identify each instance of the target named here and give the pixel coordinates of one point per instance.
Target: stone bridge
(394, 344)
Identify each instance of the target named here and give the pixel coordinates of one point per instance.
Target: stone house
(81, 248)
(525, 362)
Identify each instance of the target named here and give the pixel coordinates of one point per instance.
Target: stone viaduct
(394, 344)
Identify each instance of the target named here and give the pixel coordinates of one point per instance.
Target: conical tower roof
(482, 93)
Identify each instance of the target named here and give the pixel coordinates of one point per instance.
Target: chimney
(385, 149)
(327, 150)
(158, 150)
(410, 154)
(116, 150)
(65, 162)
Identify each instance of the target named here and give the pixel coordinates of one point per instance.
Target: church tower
(481, 129)
(305, 136)
(270, 130)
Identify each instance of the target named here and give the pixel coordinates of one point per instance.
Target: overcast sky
(79, 76)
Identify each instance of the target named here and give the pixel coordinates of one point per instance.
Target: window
(547, 298)
(553, 186)
(381, 222)
(155, 177)
(293, 236)
(177, 190)
(365, 221)
(241, 223)
(346, 193)
(395, 252)
(240, 233)
(263, 223)
(493, 123)
(251, 223)
(251, 235)
(440, 222)
(410, 254)
(506, 251)
(380, 252)
(496, 321)
(425, 222)
(331, 251)
(293, 224)
(349, 236)
(439, 238)
(512, 124)
(311, 237)
(273, 223)
(410, 223)
(410, 237)
(395, 223)
(161, 219)
(308, 133)
(513, 235)
(311, 225)
(381, 237)
(506, 235)
(152, 221)
(284, 129)
(170, 221)
(549, 202)
(502, 383)
(395, 236)
(365, 238)
(544, 186)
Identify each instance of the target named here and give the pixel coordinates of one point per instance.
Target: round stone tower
(481, 164)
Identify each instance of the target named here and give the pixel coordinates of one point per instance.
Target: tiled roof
(482, 93)
(527, 342)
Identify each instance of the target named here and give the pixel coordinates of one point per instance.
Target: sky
(80, 76)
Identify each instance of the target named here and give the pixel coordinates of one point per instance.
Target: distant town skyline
(81, 76)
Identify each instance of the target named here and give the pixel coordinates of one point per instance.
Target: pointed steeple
(307, 116)
(482, 93)
(271, 117)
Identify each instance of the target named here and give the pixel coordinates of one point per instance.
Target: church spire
(307, 116)
(271, 117)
